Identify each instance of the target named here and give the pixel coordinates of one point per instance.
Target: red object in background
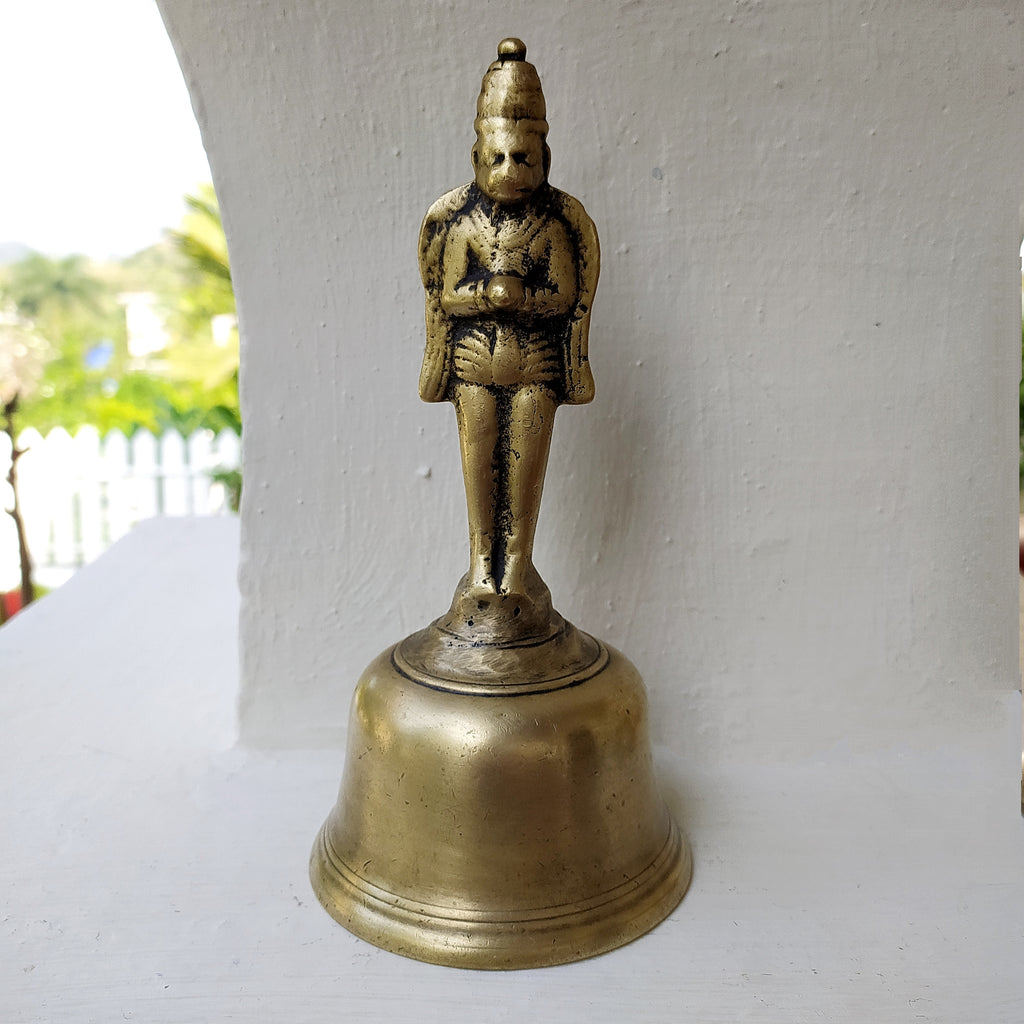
(12, 599)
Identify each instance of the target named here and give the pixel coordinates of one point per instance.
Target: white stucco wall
(793, 502)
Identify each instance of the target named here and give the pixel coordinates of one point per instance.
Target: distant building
(223, 326)
(147, 332)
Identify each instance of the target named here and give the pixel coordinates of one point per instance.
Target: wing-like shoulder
(433, 232)
(579, 380)
(436, 355)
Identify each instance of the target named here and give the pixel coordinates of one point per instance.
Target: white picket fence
(80, 494)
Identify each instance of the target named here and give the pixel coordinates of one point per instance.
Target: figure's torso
(535, 246)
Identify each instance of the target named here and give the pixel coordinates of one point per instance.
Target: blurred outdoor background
(118, 334)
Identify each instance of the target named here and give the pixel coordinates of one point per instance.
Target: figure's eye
(499, 158)
(520, 158)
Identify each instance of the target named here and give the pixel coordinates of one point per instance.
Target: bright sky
(99, 143)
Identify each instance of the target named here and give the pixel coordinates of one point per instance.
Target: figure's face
(509, 163)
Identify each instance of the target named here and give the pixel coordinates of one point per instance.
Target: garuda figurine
(510, 267)
(498, 806)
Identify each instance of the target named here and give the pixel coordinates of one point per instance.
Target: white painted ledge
(154, 871)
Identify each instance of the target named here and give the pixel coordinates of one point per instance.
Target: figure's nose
(503, 174)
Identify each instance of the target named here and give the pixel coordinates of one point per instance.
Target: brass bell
(498, 807)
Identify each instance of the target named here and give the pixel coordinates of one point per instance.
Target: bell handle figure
(509, 266)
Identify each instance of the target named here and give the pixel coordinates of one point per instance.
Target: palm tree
(202, 240)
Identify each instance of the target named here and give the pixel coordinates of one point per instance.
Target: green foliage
(69, 305)
(203, 242)
(90, 377)
(55, 292)
(231, 481)
(23, 355)
(67, 357)
(204, 287)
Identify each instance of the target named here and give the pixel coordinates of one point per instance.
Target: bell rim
(495, 939)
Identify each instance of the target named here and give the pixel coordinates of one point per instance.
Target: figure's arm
(558, 294)
(469, 289)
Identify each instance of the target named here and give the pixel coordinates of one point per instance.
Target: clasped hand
(505, 292)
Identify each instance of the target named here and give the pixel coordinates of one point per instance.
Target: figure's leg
(531, 418)
(477, 415)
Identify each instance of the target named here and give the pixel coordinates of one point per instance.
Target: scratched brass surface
(498, 805)
(499, 832)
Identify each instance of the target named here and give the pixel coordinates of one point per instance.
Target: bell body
(481, 825)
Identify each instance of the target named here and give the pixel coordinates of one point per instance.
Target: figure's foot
(521, 578)
(481, 613)
(478, 579)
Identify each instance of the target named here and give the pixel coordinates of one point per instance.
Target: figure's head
(510, 156)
